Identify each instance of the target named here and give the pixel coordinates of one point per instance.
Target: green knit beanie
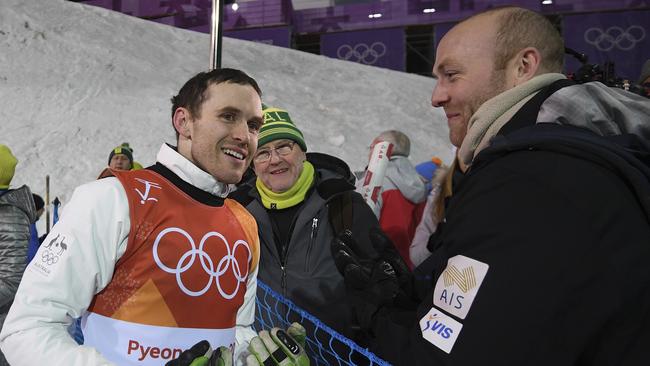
(123, 149)
(278, 125)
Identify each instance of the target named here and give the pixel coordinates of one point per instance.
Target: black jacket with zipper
(562, 218)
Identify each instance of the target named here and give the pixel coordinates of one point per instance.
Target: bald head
(488, 54)
(517, 28)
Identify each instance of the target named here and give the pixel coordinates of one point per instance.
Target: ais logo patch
(458, 285)
(439, 329)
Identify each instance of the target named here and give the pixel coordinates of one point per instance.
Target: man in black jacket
(542, 258)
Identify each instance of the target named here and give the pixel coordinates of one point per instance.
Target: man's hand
(373, 280)
(380, 271)
(201, 354)
(279, 347)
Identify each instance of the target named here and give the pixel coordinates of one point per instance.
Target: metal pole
(216, 34)
(47, 204)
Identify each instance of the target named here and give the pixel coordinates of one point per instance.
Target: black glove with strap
(378, 278)
(201, 354)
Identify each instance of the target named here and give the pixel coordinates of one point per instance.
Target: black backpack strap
(527, 114)
(340, 212)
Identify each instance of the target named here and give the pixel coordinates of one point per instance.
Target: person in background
(402, 195)
(34, 239)
(427, 171)
(156, 258)
(121, 157)
(433, 212)
(17, 214)
(295, 197)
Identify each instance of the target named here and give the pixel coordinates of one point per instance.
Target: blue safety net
(324, 345)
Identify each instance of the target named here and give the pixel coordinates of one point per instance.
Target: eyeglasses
(264, 155)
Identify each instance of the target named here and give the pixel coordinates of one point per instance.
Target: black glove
(387, 252)
(374, 280)
(201, 354)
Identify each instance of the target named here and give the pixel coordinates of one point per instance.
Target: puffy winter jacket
(17, 213)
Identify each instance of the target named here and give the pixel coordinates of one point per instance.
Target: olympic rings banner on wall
(619, 37)
(377, 47)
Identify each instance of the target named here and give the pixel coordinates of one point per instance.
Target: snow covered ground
(77, 80)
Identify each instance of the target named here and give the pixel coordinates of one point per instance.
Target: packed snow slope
(77, 80)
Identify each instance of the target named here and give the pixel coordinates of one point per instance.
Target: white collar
(187, 171)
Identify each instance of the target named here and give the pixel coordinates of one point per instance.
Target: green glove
(201, 354)
(279, 347)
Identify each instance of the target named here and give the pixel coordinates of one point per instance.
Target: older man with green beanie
(17, 213)
(291, 198)
(121, 157)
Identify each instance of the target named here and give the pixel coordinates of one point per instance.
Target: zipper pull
(284, 278)
(314, 226)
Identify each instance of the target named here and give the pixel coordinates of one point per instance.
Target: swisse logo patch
(458, 285)
(143, 352)
(440, 330)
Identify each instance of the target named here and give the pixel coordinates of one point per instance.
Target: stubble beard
(497, 86)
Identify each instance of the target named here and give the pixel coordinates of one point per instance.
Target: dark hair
(519, 28)
(193, 93)
(38, 201)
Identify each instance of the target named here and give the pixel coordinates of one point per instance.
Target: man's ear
(526, 65)
(182, 120)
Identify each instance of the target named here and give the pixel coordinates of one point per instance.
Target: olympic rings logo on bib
(188, 259)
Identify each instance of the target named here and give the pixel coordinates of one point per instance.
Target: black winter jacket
(559, 219)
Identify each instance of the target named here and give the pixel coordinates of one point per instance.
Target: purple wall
(382, 47)
(195, 14)
(274, 21)
(279, 36)
(108, 4)
(400, 13)
(622, 38)
(263, 13)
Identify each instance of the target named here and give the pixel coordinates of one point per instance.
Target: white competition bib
(126, 343)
